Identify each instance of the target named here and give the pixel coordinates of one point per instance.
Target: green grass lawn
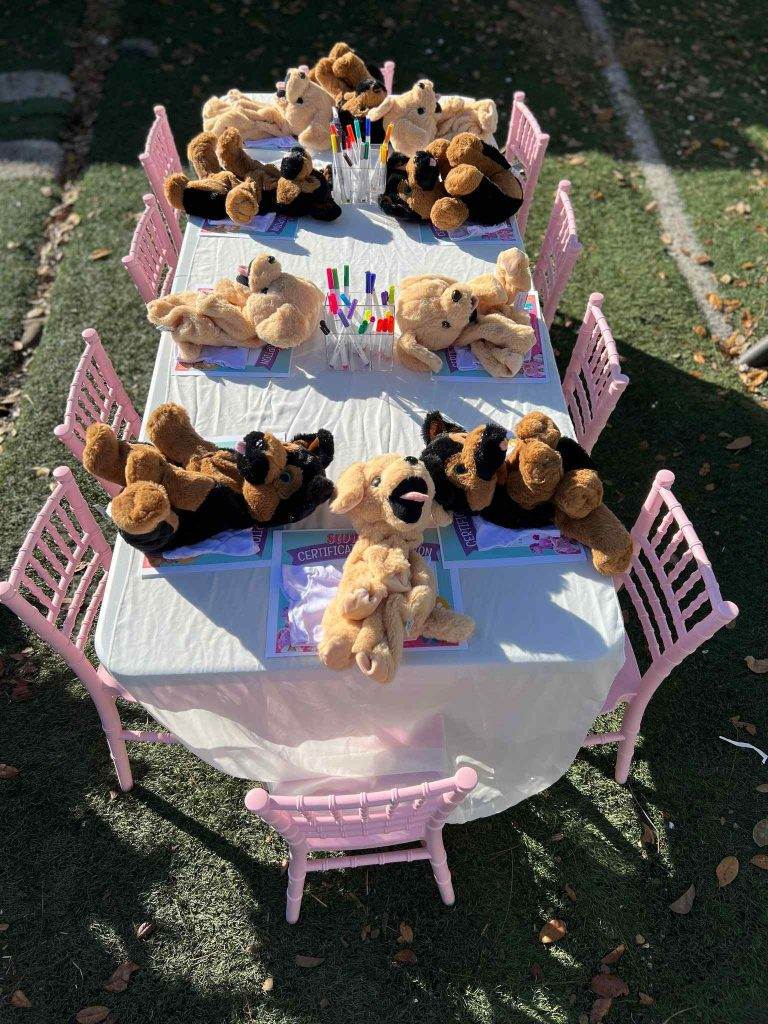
(86, 867)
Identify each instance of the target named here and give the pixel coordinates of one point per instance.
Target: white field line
(29, 158)
(17, 86)
(658, 177)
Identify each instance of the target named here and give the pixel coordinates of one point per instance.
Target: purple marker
(343, 319)
(384, 298)
(352, 308)
(373, 282)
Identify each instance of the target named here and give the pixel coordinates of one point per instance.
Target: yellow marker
(388, 133)
(383, 153)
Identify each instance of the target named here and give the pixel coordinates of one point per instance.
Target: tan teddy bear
(434, 312)
(274, 308)
(387, 592)
(342, 71)
(304, 111)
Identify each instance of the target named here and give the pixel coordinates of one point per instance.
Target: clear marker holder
(358, 183)
(347, 350)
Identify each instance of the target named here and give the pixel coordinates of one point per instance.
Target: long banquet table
(549, 639)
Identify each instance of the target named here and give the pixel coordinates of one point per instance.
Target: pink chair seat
(525, 147)
(626, 683)
(152, 258)
(160, 159)
(558, 254)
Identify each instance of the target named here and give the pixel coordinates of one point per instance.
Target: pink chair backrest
(526, 146)
(160, 159)
(57, 581)
(96, 395)
(388, 74)
(593, 382)
(671, 583)
(559, 251)
(363, 819)
(152, 258)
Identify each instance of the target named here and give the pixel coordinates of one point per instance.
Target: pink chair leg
(297, 872)
(630, 727)
(439, 861)
(113, 728)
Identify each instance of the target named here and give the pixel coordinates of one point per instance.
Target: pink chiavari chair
(364, 821)
(525, 147)
(96, 395)
(159, 159)
(593, 382)
(673, 590)
(388, 74)
(56, 587)
(152, 259)
(559, 252)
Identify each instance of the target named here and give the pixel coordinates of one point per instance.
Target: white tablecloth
(549, 640)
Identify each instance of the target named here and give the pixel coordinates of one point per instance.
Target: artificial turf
(86, 868)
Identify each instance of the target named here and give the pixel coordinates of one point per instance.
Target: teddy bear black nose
(302, 74)
(411, 460)
(270, 259)
(420, 110)
(300, 100)
(456, 295)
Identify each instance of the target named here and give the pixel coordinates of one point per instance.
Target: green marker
(335, 279)
(363, 327)
(346, 276)
(391, 293)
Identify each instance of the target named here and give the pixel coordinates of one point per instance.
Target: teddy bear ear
(349, 489)
(434, 425)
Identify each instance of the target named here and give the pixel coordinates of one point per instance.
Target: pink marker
(333, 303)
(329, 277)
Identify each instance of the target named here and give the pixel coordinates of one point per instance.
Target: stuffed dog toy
(220, 191)
(546, 479)
(299, 190)
(180, 489)
(265, 306)
(387, 592)
(413, 115)
(343, 72)
(434, 312)
(302, 109)
(450, 183)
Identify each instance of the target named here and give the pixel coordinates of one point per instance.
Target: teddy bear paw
(335, 653)
(378, 665)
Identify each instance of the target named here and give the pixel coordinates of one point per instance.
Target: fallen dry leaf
(4, 926)
(738, 444)
(19, 1000)
(8, 771)
(762, 788)
(683, 904)
(405, 957)
(308, 961)
(616, 954)
(600, 1008)
(92, 1015)
(118, 982)
(703, 259)
(757, 665)
(640, 939)
(699, 357)
(406, 933)
(610, 986)
(576, 160)
(727, 870)
(645, 999)
(570, 892)
(536, 972)
(760, 832)
(267, 985)
(760, 860)
(553, 931)
(100, 254)
(651, 207)
(145, 929)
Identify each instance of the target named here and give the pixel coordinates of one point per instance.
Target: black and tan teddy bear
(180, 489)
(226, 186)
(450, 183)
(543, 479)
